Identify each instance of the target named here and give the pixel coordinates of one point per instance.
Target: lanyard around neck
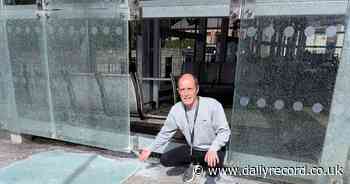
(194, 122)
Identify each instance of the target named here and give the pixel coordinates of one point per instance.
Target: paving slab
(150, 172)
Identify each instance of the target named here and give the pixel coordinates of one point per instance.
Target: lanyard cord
(194, 122)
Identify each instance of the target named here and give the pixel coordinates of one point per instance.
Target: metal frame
(300, 7)
(221, 8)
(139, 98)
(180, 8)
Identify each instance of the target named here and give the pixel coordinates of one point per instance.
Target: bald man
(203, 123)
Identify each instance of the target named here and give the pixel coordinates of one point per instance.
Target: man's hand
(145, 154)
(211, 157)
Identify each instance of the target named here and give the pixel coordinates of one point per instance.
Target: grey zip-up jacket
(211, 130)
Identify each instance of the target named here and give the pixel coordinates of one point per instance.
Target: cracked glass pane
(66, 76)
(7, 103)
(87, 168)
(89, 80)
(29, 76)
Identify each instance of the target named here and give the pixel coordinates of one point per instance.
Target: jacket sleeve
(222, 128)
(165, 134)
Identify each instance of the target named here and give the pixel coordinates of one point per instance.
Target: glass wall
(29, 74)
(8, 111)
(288, 60)
(336, 149)
(67, 73)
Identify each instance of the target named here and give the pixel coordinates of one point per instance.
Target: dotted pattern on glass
(269, 31)
(298, 106)
(18, 30)
(106, 30)
(27, 30)
(82, 30)
(244, 101)
(119, 30)
(251, 32)
(94, 30)
(61, 30)
(309, 31)
(288, 31)
(279, 104)
(37, 29)
(331, 31)
(317, 108)
(261, 103)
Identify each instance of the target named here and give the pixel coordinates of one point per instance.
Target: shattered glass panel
(65, 76)
(7, 104)
(29, 76)
(86, 168)
(89, 77)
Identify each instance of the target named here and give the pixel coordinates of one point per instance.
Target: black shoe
(192, 174)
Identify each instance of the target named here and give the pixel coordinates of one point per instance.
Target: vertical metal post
(156, 60)
(200, 47)
(222, 41)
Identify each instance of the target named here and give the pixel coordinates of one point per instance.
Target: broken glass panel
(68, 76)
(29, 75)
(7, 104)
(89, 79)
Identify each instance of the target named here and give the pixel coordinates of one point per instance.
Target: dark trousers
(181, 156)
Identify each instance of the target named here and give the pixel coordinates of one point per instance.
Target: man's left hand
(211, 157)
